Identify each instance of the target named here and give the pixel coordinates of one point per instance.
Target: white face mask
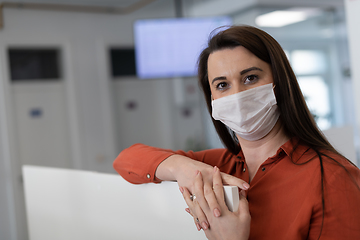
(251, 114)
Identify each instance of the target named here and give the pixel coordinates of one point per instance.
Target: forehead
(239, 54)
(233, 59)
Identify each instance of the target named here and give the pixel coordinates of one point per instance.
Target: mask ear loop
(273, 88)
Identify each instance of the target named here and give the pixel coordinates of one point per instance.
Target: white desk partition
(342, 139)
(67, 204)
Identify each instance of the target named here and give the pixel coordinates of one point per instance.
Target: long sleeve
(138, 163)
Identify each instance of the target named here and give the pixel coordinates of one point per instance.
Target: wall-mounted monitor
(167, 48)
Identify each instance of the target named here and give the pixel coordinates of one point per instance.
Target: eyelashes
(221, 85)
(250, 79)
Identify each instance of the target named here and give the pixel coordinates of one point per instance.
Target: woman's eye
(221, 85)
(250, 79)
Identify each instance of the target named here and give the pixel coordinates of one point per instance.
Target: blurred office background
(70, 96)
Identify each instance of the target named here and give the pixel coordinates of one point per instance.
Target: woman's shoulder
(337, 169)
(337, 166)
(332, 163)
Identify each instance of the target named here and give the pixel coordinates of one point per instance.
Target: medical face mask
(251, 114)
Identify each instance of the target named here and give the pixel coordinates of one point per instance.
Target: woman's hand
(185, 170)
(230, 225)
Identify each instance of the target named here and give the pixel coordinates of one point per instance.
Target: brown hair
(294, 113)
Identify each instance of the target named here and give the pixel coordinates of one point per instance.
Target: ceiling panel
(115, 3)
(197, 7)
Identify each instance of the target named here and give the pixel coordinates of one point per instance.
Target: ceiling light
(285, 17)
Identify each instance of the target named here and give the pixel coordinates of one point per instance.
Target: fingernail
(181, 189)
(246, 185)
(198, 227)
(217, 212)
(204, 225)
(187, 210)
(215, 168)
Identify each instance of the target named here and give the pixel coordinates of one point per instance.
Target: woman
(297, 185)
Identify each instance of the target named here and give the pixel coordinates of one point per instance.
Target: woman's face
(234, 70)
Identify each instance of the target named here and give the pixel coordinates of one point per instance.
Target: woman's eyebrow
(218, 78)
(249, 70)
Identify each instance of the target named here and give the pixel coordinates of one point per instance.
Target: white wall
(158, 118)
(84, 40)
(353, 19)
(7, 208)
